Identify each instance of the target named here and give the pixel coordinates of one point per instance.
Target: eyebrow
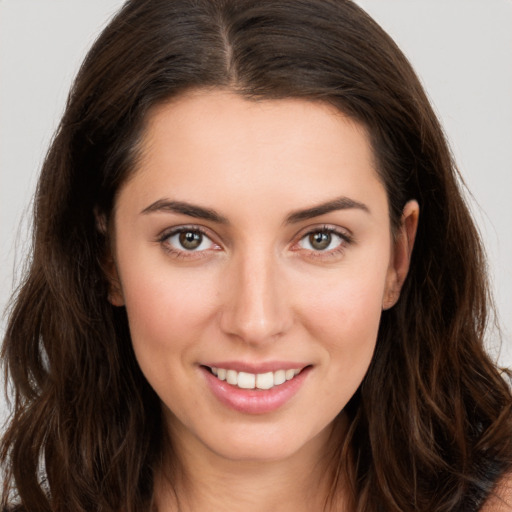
(341, 203)
(198, 212)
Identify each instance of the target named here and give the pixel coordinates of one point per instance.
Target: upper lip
(263, 367)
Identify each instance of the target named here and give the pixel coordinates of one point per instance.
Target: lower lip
(255, 401)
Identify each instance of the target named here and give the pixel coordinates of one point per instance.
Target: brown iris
(190, 240)
(320, 240)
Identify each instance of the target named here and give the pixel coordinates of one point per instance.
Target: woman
(254, 281)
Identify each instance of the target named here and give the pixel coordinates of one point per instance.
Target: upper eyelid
(166, 233)
(163, 240)
(344, 233)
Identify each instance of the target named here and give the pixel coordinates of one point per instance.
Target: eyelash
(184, 253)
(163, 239)
(345, 240)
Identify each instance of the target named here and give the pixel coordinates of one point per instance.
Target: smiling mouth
(263, 381)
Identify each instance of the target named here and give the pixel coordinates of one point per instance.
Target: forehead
(201, 112)
(208, 145)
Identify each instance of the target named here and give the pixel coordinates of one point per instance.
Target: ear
(108, 264)
(115, 291)
(403, 244)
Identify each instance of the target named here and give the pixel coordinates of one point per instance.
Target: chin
(256, 442)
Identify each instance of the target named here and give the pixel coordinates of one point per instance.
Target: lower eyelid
(163, 239)
(344, 239)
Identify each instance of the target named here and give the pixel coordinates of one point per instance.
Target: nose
(255, 308)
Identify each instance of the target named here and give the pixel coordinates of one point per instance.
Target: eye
(188, 240)
(322, 240)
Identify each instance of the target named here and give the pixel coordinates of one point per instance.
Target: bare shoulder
(500, 499)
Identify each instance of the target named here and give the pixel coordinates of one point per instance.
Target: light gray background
(462, 50)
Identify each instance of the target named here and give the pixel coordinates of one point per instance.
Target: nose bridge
(256, 308)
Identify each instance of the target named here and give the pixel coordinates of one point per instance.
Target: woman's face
(254, 256)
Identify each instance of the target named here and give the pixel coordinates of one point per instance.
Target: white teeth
(289, 374)
(245, 380)
(279, 377)
(265, 380)
(232, 377)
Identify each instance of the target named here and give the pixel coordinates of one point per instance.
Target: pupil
(190, 240)
(320, 241)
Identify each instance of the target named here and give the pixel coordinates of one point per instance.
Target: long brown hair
(430, 426)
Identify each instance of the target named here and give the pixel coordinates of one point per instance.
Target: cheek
(349, 301)
(353, 333)
(167, 312)
(345, 319)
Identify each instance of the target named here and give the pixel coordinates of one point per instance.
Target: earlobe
(115, 290)
(402, 251)
(115, 294)
(108, 266)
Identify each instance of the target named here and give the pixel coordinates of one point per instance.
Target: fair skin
(254, 237)
(501, 498)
